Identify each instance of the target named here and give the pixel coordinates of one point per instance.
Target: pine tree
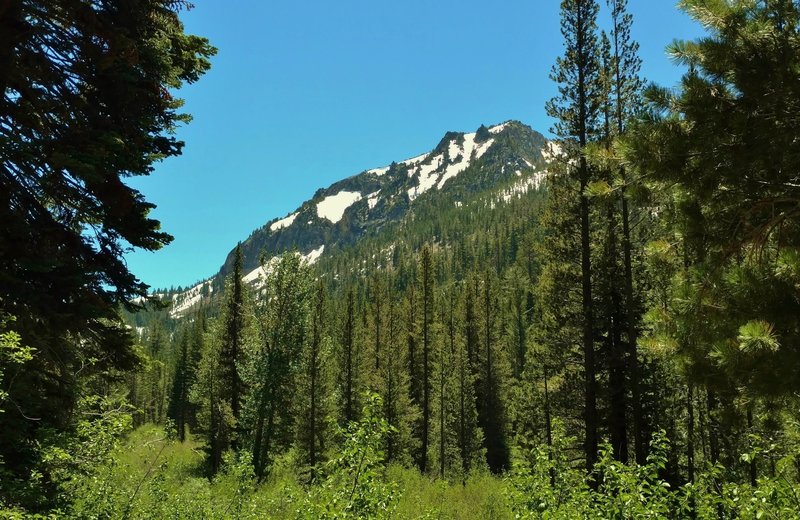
(154, 376)
(609, 319)
(456, 432)
(626, 93)
(576, 111)
(313, 410)
(426, 336)
(197, 338)
(392, 383)
(178, 402)
(721, 154)
(272, 364)
(232, 336)
(413, 358)
(471, 293)
(377, 301)
(444, 350)
(556, 330)
(491, 410)
(514, 289)
(219, 388)
(349, 361)
(469, 437)
(209, 394)
(79, 116)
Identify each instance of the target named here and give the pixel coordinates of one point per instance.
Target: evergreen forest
(620, 341)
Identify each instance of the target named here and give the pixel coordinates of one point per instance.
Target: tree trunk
(618, 419)
(312, 448)
(713, 427)
(426, 311)
(590, 398)
(639, 443)
(590, 394)
(690, 432)
(753, 467)
(548, 426)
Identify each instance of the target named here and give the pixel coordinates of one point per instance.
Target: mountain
(504, 160)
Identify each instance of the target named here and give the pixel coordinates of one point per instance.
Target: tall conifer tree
(233, 336)
(626, 92)
(273, 361)
(426, 337)
(576, 110)
(313, 408)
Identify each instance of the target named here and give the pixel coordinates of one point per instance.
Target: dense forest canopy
(618, 341)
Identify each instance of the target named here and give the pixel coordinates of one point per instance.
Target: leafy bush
(356, 485)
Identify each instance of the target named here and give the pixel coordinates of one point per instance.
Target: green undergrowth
(150, 475)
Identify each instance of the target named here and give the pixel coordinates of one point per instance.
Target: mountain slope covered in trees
(509, 157)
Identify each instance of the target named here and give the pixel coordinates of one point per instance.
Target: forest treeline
(622, 343)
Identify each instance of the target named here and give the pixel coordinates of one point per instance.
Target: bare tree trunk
(639, 443)
(690, 432)
(619, 405)
(753, 467)
(548, 425)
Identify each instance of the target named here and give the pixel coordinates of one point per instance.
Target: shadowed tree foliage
(576, 109)
(85, 102)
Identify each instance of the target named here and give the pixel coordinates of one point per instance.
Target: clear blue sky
(302, 94)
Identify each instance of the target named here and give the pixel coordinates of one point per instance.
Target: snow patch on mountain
(372, 199)
(459, 156)
(499, 128)
(186, 300)
(454, 149)
(333, 207)
(426, 175)
(379, 171)
(415, 160)
(282, 223)
(258, 276)
(552, 150)
(312, 256)
(466, 152)
(522, 186)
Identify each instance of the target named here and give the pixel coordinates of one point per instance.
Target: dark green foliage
(577, 112)
(274, 360)
(626, 99)
(218, 383)
(392, 384)
(78, 115)
(425, 283)
(186, 357)
(490, 374)
(314, 410)
(726, 154)
(349, 358)
(233, 325)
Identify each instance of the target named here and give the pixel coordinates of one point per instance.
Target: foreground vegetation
(150, 474)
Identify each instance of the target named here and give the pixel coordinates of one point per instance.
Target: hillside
(493, 164)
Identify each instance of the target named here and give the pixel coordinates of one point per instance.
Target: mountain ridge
(460, 165)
